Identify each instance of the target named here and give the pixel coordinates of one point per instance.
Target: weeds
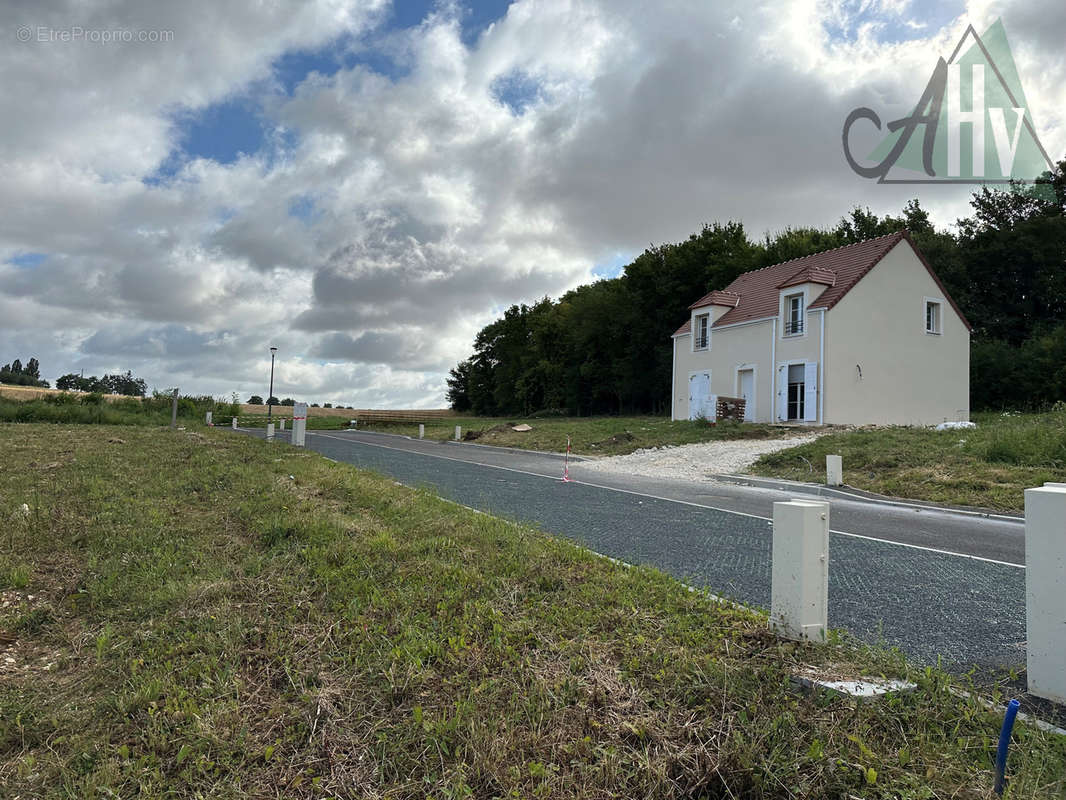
(988, 466)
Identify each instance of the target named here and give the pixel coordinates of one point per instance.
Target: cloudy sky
(365, 183)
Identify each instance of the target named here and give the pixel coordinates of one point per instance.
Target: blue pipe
(1004, 743)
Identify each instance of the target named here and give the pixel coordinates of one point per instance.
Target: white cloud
(425, 202)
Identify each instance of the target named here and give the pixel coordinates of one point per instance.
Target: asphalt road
(934, 583)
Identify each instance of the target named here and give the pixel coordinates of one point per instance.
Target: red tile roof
(718, 298)
(840, 269)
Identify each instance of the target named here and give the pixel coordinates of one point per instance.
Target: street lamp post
(270, 397)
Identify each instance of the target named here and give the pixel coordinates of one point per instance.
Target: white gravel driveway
(700, 462)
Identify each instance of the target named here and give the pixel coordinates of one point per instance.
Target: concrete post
(299, 428)
(799, 589)
(458, 432)
(270, 431)
(1045, 586)
(207, 421)
(233, 422)
(281, 421)
(421, 431)
(834, 471)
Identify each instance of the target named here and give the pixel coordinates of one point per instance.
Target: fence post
(174, 411)
(799, 588)
(421, 431)
(270, 431)
(1045, 584)
(207, 419)
(834, 471)
(458, 432)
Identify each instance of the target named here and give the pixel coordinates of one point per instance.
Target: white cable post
(1045, 586)
(207, 419)
(299, 424)
(270, 431)
(233, 422)
(799, 588)
(421, 431)
(281, 422)
(458, 432)
(834, 471)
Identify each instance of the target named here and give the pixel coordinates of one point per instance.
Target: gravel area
(699, 462)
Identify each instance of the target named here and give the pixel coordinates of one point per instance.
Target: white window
(932, 316)
(701, 334)
(794, 314)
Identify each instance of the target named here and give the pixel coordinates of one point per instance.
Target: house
(861, 334)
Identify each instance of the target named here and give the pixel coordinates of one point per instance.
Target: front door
(699, 396)
(746, 379)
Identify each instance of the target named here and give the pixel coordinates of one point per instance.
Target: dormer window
(701, 333)
(794, 314)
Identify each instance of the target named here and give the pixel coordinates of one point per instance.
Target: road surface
(936, 584)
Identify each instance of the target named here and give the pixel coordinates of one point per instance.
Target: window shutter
(782, 391)
(810, 391)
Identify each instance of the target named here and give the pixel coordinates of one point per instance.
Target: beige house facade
(863, 334)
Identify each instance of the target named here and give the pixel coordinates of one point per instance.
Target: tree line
(604, 347)
(109, 384)
(19, 375)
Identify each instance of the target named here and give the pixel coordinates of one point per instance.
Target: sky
(364, 184)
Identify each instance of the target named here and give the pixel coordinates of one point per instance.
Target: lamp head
(273, 349)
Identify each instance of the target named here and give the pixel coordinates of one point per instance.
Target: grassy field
(989, 466)
(589, 435)
(191, 614)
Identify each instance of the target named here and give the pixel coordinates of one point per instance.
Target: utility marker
(566, 462)
(834, 471)
(1045, 585)
(799, 588)
(421, 431)
(270, 431)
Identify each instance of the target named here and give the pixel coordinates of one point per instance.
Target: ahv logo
(977, 125)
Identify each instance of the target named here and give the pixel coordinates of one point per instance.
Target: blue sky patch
(27, 260)
(914, 23)
(223, 131)
(302, 207)
(516, 89)
(613, 266)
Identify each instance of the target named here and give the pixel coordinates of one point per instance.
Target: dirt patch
(619, 438)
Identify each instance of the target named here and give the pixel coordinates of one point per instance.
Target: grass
(589, 435)
(209, 615)
(989, 466)
(75, 411)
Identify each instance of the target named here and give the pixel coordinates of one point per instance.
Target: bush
(255, 400)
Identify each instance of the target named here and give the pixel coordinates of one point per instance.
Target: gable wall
(908, 376)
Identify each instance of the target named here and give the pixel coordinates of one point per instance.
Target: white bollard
(207, 420)
(281, 422)
(1045, 585)
(234, 423)
(799, 589)
(270, 431)
(458, 432)
(834, 471)
(421, 431)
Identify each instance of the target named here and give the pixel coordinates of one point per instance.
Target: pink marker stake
(566, 462)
